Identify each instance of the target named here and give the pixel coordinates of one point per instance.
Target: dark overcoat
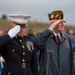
(55, 57)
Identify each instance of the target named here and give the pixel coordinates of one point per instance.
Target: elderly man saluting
(55, 47)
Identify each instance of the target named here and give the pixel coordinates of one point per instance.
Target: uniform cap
(20, 19)
(56, 15)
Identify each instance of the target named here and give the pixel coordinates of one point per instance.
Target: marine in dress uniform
(18, 51)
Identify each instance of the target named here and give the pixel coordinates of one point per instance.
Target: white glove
(13, 32)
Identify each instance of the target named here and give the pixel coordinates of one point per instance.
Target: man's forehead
(62, 20)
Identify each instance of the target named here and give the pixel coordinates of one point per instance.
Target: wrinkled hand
(53, 25)
(13, 32)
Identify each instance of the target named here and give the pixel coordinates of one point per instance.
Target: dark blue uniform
(19, 54)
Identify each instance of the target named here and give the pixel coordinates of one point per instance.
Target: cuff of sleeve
(50, 29)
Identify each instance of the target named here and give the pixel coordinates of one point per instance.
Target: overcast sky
(39, 9)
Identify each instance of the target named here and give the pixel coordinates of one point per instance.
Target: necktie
(58, 38)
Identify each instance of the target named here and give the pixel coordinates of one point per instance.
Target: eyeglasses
(63, 21)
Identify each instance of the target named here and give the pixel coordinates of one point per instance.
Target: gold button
(20, 40)
(23, 53)
(8, 72)
(23, 60)
(13, 50)
(22, 46)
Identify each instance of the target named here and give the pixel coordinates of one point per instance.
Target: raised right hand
(13, 32)
(54, 24)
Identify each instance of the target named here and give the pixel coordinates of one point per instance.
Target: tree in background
(4, 16)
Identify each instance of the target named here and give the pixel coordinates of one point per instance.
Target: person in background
(2, 62)
(30, 33)
(1, 32)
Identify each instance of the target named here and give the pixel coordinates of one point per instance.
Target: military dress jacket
(19, 54)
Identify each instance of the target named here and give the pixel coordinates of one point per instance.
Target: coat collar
(63, 37)
(52, 35)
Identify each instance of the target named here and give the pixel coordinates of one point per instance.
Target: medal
(30, 45)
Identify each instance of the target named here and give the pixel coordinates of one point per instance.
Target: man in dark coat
(30, 33)
(55, 47)
(18, 50)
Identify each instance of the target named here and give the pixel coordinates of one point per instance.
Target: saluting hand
(13, 32)
(54, 24)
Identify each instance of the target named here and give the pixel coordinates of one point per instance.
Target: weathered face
(60, 26)
(22, 30)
